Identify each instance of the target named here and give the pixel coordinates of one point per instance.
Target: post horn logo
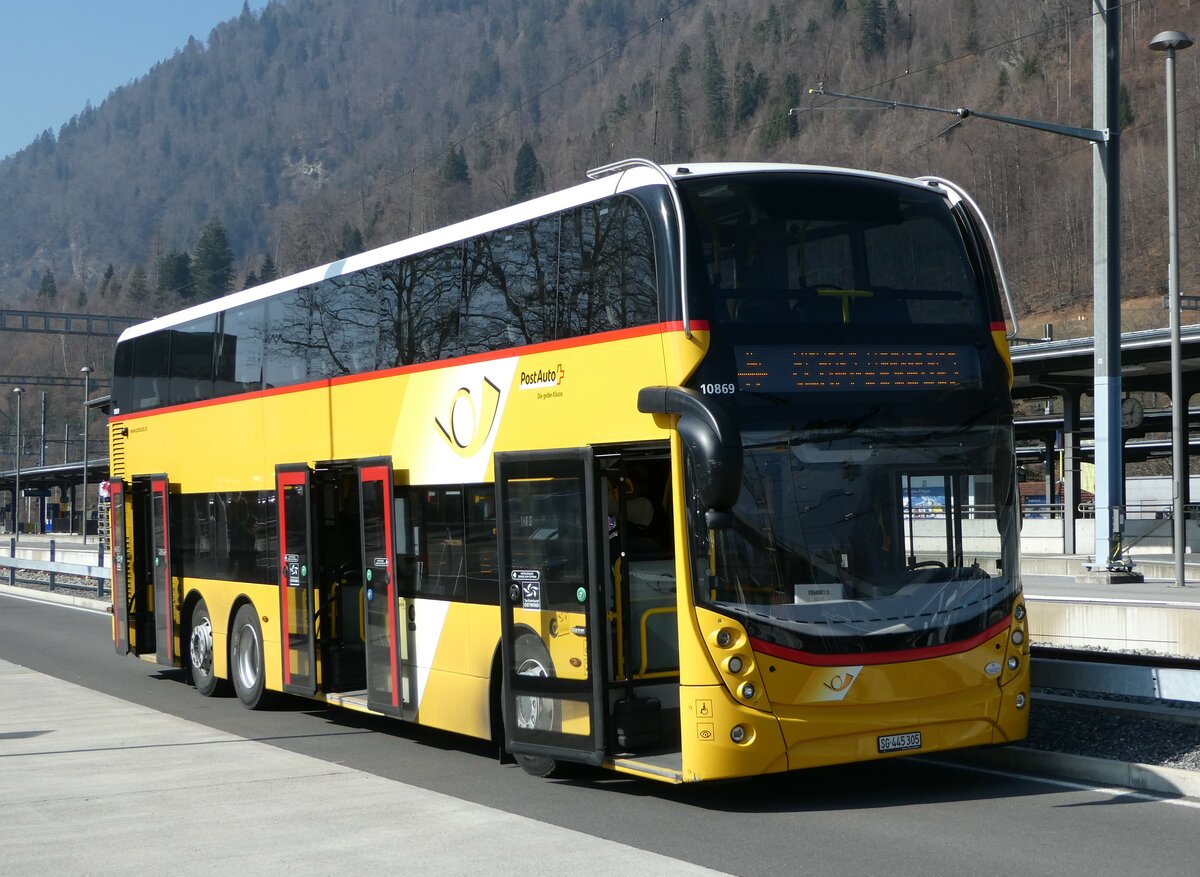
(839, 683)
(471, 418)
(832, 685)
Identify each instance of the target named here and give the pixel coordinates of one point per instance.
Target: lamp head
(19, 391)
(1170, 39)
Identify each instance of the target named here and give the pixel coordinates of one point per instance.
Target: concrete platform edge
(60, 597)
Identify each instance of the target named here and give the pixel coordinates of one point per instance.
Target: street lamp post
(87, 373)
(18, 392)
(1169, 42)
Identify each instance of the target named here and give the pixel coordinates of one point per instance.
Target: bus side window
(239, 359)
(191, 370)
(443, 551)
(482, 583)
(151, 361)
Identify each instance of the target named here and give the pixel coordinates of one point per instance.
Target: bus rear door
(293, 485)
(551, 597)
(145, 617)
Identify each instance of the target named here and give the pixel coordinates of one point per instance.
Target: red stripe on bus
(895, 657)
(527, 350)
(999, 327)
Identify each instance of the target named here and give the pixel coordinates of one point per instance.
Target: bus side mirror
(713, 446)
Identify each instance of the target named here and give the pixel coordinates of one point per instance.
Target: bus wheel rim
(248, 657)
(530, 709)
(201, 646)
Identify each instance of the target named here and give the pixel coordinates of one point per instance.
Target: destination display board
(790, 369)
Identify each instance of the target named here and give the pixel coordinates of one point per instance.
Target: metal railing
(55, 575)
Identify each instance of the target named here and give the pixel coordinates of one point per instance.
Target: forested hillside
(318, 128)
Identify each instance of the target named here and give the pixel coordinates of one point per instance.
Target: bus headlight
(735, 664)
(1013, 663)
(738, 734)
(724, 638)
(1018, 637)
(1019, 613)
(748, 691)
(1020, 701)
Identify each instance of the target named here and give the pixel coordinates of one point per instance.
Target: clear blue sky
(56, 55)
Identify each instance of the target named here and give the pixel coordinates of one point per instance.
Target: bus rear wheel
(200, 651)
(246, 658)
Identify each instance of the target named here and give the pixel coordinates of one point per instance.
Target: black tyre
(246, 658)
(200, 651)
(535, 713)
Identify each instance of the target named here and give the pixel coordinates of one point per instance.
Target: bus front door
(123, 639)
(381, 615)
(293, 485)
(551, 598)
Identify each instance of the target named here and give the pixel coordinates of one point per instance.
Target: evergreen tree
(749, 90)
(454, 168)
(715, 89)
(48, 290)
(137, 287)
(175, 276)
(676, 76)
(351, 242)
(106, 280)
(528, 178)
(212, 265)
(873, 33)
(267, 270)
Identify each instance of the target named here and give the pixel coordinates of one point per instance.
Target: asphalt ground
(104, 772)
(109, 764)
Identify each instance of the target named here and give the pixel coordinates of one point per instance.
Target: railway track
(58, 582)
(1149, 686)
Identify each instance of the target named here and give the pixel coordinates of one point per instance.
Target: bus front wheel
(246, 658)
(535, 713)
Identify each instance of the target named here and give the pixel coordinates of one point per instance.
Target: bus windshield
(822, 250)
(869, 542)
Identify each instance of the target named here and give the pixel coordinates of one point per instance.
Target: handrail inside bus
(624, 165)
(987, 228)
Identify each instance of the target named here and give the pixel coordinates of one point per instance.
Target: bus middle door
(379, 589)
(294, 493)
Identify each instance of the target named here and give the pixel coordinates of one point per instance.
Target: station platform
(1153, 616)
(84, 774)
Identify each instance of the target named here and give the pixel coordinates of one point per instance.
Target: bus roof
(633, 177)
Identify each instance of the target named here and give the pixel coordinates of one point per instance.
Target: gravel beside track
(1115, 736)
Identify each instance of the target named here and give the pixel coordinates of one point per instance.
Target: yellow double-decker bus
(693, 472)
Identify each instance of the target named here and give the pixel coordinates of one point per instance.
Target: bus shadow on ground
(901, 782)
